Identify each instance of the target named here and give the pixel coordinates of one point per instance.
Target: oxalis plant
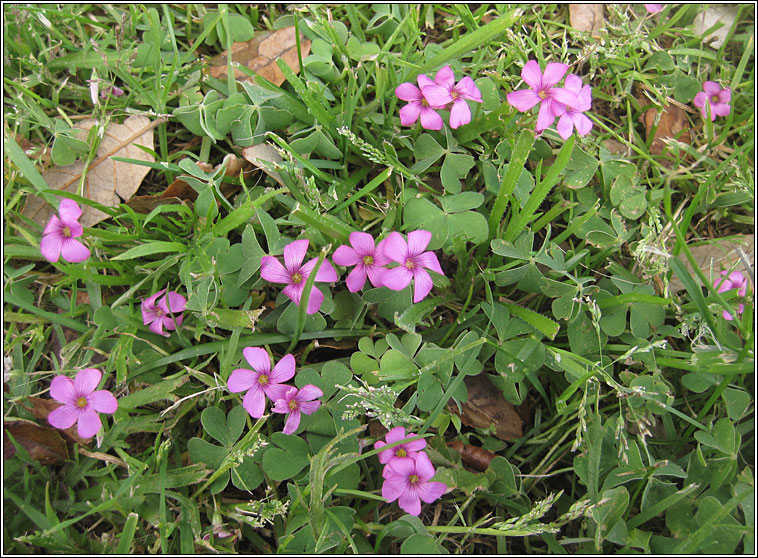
(413, 279)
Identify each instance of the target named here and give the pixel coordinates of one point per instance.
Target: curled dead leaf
(473, 457)
(43, 444)
(261, 53)
(587, 18)
(41, 408)
(486, 406)
(709, 17)
(673, 124)
(719, 254)
(108, 182)
(264, 156)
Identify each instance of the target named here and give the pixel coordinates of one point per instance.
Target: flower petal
(54, 226)
(711, 88)
(273, 271)
(725, 95)
(89, 423)
(545, 117)
(357, 278)
(532, 75)
(174, 302)
(564, 96)
(309, 407)
(294, 254)
(424, 468)
(346, 256)
(565, 126)
(582, 124)
(294, 292)
(395, 248)
(375, 274)
(402, 467)
(293, 421)
(315, 300)
(62, 390)
(258, 359)
(416, 445)
(408, 92)
(255, 402)
(103, 401)
(417, 242)
(445, 77)
(523, 99)
(395, 435)
(721, 109)
(573, 83)
(397, 278)
(363, 243)
(410, 113)
(422, 285)
(699, 100)
(64, 416)
(326, 272)
(467, 89)
(50, 246)
(275, 392)
(74, 251)
(242, 379)
(284, 369)
(393, 488)
(157, 326)
(410, 503)
(429, 260)
(460, 114)
(86, 381)
(69, 211)
(430, 120)
(436, 95)
(554, 72)
(309, 392)
(430, 491)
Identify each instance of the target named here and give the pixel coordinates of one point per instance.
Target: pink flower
(412, 260)
(444, 90)
(418, 105)
(163, 313)
(717, 98)
(261, 381)
(294, 273)
(59, 236)
(542, 92)
(407, 481)
(403, 451)
(113, 90)
(653, 8)
(295, 402)
(369, 260)
(571, 116)
(734, 280)
(81, 403)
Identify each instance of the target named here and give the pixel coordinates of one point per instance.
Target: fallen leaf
(587, 17)
(43, 444)
(706, 19)
(264, 156)
(261, 53)
(108, 182)
(486, 406)
(42, 407)
(473, 457)
(672, 124)
(719, 254)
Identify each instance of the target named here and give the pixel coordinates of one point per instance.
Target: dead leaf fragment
(706, 19)
(261, 53)
(720, 254)
(43, 444)
(264, 156)
(41, 408)
(473, 457)
(108, 182)
(587, 17)
(486, 406)
(672, 124)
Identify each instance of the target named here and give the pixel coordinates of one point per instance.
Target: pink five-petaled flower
(369, 260)
(261, 381)
(59, 236)
(294, 273)
(163, 313)
(81, 403)
(729, 281)
(408, 450)
(408, 480)
(444, 90)
(717, 98)
(112, 90)
(571, 116)
(542, 92)
(653, 8)
(412, 260)
(296, 401)
(418, 105)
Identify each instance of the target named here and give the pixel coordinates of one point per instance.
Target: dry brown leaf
(261, 154)
(261, 53)
(587, 17)
(43, 444)
(706, 19)
(673, 124)
(473, 457)
(42, 407)
(719, 254)
(108, 182)
(486, 406)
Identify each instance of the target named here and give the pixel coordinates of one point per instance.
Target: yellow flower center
(66, 231)
(368, 260)
(263, 379)
(413, 479)
(293, 404)
(409, 264)
(401, 453)
(81, 402)
(715, 99)
(542, 94)
(296, 278)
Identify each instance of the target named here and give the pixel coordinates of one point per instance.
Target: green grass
(637, 399)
